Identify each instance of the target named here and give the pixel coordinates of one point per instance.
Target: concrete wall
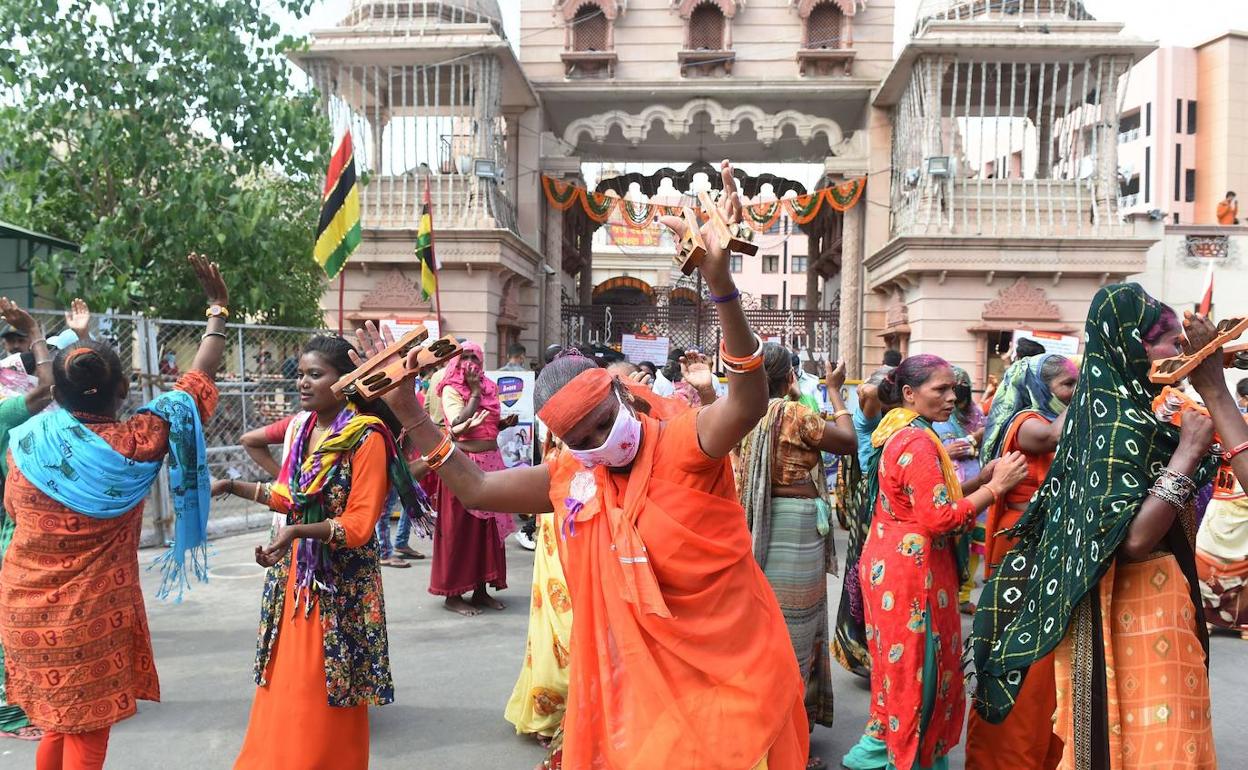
(1222, 114)
(766, 35)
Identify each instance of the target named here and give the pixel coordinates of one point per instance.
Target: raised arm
(1210, 383)
(515, 490)
(78, 319)
(839, 436)
(723, 424)
(212, 345)
(41, 395)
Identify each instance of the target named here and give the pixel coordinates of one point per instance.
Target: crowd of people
(683, 531)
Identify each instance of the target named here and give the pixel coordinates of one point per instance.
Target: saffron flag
(338, 231)
(424, 249)
(1206, 300)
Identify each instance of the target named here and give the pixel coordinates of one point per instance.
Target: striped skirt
(795, 569)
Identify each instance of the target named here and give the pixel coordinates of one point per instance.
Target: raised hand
(1200, 331)
(641, 378)
(715, 265)
(1196, 432)
(834, 375)
(78, 318)
(209, 275)
(17, 318)
(695, 369)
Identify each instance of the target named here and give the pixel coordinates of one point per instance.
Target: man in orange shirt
(1228, 210)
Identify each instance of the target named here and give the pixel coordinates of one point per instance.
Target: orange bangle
(437, 457)
(742, 364)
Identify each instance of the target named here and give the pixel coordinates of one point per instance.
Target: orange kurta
(292, 725)
(715, 686)
(1025, 740)
(78, 651)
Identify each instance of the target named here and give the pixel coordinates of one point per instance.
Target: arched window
(706, 28)
(589, 28)
(824, 27)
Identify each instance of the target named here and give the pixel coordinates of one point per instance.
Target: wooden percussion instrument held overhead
(388, 369)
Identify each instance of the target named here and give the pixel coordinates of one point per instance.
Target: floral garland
(562, 195)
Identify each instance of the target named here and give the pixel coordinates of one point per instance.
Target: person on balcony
(1228, 209)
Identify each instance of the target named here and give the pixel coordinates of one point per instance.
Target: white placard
(644, 347)
(399, 327)
(515, 394)
(1061, 344)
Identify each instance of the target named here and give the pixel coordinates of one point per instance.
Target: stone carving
(848, 7)
(610, 8)
(1021, 301)
(1197, 250)
(768, 127)
(897, 313)
(392, 291)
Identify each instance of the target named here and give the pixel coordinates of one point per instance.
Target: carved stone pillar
(850, 326)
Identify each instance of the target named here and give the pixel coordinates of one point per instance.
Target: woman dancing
(1104, 571)
(322, 654)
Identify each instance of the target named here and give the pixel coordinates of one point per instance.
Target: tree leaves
(146, 129)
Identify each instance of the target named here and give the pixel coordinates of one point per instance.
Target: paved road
(453, 677)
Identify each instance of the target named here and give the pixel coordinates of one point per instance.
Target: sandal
(395, 562)
(407, 552)
(27, 733)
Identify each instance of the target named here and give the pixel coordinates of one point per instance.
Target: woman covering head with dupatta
(1104, 571)
(680, 656)
(322, 653)
(909, 572)
(1027, 416)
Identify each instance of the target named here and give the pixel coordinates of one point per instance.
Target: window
(797, 302)
(1148, 119)
(1178, 118)
(1191, 117)
(734, 263)
(589, 30)
(1178, 171)
(797, 263)
(706, 28)
(1129, 127)
(1189, 182)
(770, 301)
(824, 27)
(1148, 174)
(771, 263)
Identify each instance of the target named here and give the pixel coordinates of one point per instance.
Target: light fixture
(939, 167)
(483, 168)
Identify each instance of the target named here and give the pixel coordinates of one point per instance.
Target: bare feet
(27, 733)
(458, 605)
(407, 552)
(396, 562)
(481, 599)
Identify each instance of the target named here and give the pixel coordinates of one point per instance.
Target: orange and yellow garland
(563, 195)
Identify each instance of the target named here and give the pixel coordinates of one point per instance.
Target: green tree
(146, 129)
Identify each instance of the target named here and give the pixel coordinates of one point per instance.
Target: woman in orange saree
(679, 656)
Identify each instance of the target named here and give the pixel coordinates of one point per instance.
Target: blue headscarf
(77, 468)
(1022, 389)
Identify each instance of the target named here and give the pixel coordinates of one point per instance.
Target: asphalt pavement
(453, 677)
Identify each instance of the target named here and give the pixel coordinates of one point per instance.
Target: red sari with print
(909, 578)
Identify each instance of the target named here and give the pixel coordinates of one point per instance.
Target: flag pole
(342, 290)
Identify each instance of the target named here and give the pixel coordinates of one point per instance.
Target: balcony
(1010, 11)
(460, 202)
(822, 62)
(705, 63)
(589, 65)
(1128, 136)
(1128, 201)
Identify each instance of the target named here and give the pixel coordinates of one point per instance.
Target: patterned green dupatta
(1111, 450)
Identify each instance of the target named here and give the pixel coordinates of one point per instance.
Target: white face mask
(621, 445)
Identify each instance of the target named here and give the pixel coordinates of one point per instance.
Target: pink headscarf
(473, 355)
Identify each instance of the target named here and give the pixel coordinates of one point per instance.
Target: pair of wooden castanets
(693, 248)
(388, 369)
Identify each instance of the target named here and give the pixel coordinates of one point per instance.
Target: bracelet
(1164, 495)
(729, 297)
(1173, 488)
(438, 456)
(995, 497)
(37, 340)
(841, 413)
(1231, 454)
(407, 430)
(255, 496)
(746, 364)
(222, 335)
(42, 361)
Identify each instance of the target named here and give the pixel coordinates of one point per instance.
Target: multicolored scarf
(1022, 389)
(1111, 449)
(309, 471)
(77, 468)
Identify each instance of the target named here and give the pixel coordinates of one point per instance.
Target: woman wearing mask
(322, 655)
(1027, 417)
(909, 572)
(1104, 570)
(961, 435)
(468, 552)
(783, 489)
(680, 655)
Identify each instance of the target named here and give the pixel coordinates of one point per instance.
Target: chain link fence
(256, 382)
